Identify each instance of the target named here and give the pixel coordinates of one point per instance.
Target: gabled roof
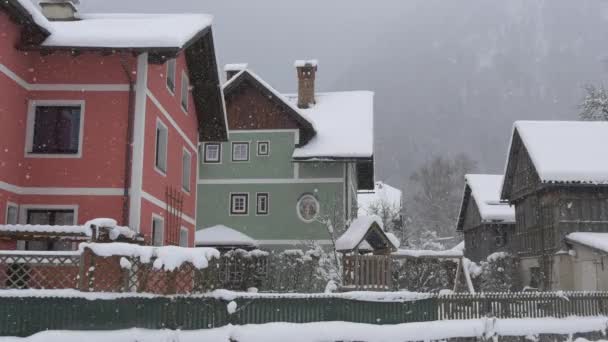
(565, 151)
(163, 36)
(291, 109)
(344, 123)
(367, 229)
(485, 191)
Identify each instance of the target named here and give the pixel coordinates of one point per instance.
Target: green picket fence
(26, 316)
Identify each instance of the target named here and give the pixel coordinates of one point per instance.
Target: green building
(292, 163)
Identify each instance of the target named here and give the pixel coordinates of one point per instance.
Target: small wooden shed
(361, 271)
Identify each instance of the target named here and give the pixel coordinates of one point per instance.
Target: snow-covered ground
(336, 331)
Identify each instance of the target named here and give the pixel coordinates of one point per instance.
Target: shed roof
(566, 151)
(597, 241)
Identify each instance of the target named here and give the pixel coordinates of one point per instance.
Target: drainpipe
(129, 141)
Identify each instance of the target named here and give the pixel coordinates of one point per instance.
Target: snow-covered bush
(424, 274)
(294, 270)
(498, 274)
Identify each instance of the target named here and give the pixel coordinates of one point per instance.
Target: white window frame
(30, 123)
(260, 143)
(233, 145)
(259, 195)
(162, 229)
(184, 229)
(317, 203)
(231, 207)
(159, 123)
(219, 153)
(187, 189)
(186, 94)
(8, 206)
(174, 61)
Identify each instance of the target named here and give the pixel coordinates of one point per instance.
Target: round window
(308, 208)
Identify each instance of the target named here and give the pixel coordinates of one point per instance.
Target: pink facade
(92, 182)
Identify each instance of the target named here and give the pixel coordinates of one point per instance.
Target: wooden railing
(367, 272)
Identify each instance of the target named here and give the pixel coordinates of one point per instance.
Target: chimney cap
(300, 63)
(235, 67)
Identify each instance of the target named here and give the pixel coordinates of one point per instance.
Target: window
(11, 214)
(49, 217)
(160, 157)
(171, 75)
(240, 151)
(183, 237)
(55, 129)
(213, 153)
(308, 208)
(239, 204)
(186, 167)
(263, 148)
(158, 231)
(262, 204)
(185, 92)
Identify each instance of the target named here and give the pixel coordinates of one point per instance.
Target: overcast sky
(449, 76)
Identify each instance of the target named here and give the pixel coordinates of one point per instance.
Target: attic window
(171, 75)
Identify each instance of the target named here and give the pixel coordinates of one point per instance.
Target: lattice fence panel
(39, 270)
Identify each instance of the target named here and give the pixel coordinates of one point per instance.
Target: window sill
(53, 155)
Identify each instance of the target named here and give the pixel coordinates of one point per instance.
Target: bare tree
(594, 106)
(438, 189)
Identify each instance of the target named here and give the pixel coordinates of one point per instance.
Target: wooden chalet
(557, 178)
(487, 223)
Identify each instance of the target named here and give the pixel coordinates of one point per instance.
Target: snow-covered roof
(120, 30)
(383, 195)
(485, 189)
(303, 62)
(344, 122)
(597, 241)
(235, 67)
(221, 235)
(567, 151)
(357, 232)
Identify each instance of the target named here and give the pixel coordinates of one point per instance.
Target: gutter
(129, 142)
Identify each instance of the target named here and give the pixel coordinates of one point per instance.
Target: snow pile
(598, 241)
(166, 258)
(365, 296)
(121, 30)
(567, 151)
(339, 331)
(221, 235)
(485, 189)
(356, 232)
(383, 196)
(231, 307)
(111, 225)
(344, 122)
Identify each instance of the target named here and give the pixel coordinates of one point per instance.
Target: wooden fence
(367, 272)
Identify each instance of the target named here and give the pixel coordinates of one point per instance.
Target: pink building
(100, 116)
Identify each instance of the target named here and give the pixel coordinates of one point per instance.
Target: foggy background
(449, 76)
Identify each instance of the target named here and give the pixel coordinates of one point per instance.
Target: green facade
(333, 184)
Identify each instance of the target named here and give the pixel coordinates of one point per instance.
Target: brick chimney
(307, 71)
(233, 69)
(59, 10)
